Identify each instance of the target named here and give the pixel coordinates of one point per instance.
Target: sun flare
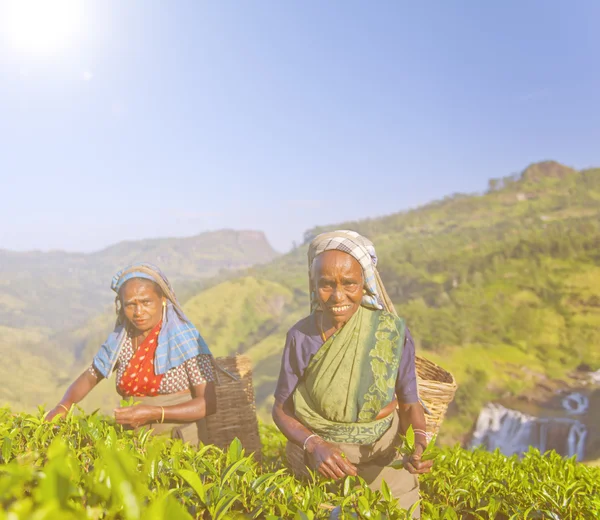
(42, 27)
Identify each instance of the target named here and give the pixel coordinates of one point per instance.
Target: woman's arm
(409, 409)
(202, 404)
(412, 414)
(329, 459)
(75, 393)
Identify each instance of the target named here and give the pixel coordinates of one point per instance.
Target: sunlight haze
(129, 120)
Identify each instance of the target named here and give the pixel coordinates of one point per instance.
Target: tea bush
(86, 467)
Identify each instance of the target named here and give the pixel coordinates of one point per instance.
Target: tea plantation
(85, 467)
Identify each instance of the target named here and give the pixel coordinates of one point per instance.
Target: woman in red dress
(157, 355)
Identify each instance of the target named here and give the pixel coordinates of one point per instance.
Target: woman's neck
(138, 335)
(328, 325)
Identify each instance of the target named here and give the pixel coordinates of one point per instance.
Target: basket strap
(225, 371)
(427, 410)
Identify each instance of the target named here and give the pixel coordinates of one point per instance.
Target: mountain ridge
(33, 283)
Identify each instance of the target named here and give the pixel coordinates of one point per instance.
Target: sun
(42, 27)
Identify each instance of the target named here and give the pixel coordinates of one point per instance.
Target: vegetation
(86, 467)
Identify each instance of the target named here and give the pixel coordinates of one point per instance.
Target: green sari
(351, 378)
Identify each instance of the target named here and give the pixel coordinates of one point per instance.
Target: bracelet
(428, 436)
(162, 418)
(67, 409)
(307, 439)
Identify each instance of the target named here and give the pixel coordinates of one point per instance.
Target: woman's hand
(415, 465)
(329, 460)
(59, 409)
(136, 416)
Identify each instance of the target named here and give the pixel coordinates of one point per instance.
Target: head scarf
(363, 251)
(178, 340)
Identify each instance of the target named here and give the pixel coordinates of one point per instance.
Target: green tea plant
(85, 466)
(407, 448)
(480, 484)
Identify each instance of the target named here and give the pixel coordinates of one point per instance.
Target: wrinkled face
(141, 304)
(339, 285)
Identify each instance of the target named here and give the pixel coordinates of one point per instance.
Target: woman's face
(339, 285)
(141, 304)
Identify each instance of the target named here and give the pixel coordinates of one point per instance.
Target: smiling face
(339, 283)
(142, 305)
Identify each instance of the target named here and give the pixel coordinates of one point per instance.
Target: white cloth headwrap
(361, 249)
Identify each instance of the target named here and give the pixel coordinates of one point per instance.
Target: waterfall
(513, 432)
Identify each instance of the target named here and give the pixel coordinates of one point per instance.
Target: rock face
(546, 169)
(513, 432)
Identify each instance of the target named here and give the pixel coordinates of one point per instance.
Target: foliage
(85, 467)
(479, 484)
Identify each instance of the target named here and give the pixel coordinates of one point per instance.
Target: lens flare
(42, 27)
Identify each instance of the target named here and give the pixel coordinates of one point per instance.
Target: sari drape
(351, 378)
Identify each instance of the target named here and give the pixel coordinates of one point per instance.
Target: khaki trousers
(372, 463)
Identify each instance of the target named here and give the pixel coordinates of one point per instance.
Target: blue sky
(172, 118)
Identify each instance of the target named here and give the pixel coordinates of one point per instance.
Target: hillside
(56, 307)
(501, 288)
(59, 290)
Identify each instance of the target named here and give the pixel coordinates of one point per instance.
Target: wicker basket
(436, 391)
(236, 407)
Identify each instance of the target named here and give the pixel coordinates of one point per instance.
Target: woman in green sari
(347, 385)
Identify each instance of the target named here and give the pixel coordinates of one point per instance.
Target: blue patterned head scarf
(361, 249)
(178, 339)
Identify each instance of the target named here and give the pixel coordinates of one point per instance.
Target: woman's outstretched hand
(415, 465)
(330, 461)
(59, 410)
(136, 416)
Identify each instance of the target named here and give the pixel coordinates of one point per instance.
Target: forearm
(188, 411)
(79, 389)
(413, 415)
(292, 428)
(202, 404)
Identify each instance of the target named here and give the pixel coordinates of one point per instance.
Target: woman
(158, 356)
(347, 385)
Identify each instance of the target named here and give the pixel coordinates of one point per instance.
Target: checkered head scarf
(361, 249)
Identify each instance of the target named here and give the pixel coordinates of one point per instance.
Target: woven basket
(436, 391)
(236, 407)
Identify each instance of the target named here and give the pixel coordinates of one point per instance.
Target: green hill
(56, 307)
(60, 291)
(501, 288)
(488, 284)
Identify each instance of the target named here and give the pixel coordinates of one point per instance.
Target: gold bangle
(67, 409)
(162, 419)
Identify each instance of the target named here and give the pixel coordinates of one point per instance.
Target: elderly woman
(158, 356)
(347, 385)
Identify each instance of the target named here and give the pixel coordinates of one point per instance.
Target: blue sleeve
(288, 374)
(406, 384)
